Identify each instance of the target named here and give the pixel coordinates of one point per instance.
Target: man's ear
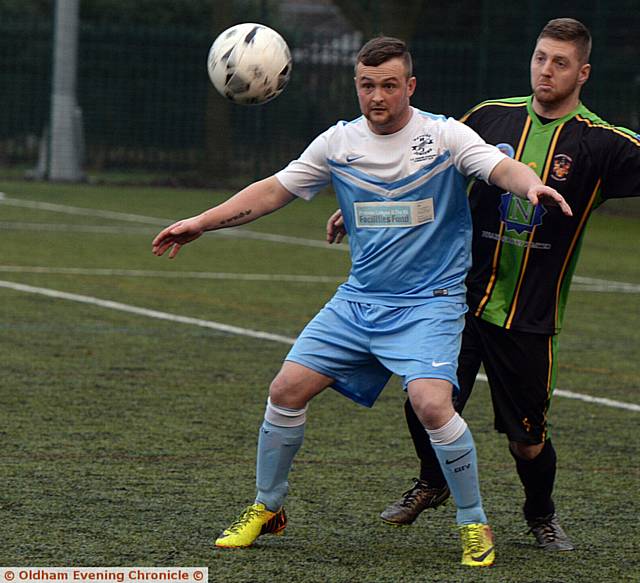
(583, 74)
(411, 86)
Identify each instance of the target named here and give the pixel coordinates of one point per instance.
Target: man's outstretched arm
(515, 177)
(254, 201)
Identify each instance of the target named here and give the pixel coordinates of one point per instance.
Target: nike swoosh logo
(354, 158)
(459, 457)
(482, 557)
(436, 364)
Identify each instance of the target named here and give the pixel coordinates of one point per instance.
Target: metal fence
(148, 106)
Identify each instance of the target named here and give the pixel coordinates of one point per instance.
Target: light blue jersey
(403, 198)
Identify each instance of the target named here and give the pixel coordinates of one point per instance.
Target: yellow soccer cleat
(477, 545)
(254, 521)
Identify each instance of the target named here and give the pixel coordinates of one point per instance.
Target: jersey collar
(552, 124)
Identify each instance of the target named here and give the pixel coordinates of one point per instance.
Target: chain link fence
(148, 107)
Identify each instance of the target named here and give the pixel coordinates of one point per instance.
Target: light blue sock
(459, 464)
(277, 446)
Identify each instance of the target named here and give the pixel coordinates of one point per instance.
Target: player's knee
(431, 402)
(526, 451)
(295, 385)
(287, 391)
(281, 389)
(433, 413)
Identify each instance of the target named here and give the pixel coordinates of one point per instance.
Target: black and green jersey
(524, 256)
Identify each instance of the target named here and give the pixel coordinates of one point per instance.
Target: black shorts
(521, 368)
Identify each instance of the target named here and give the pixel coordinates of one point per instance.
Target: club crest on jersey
(421, 149)
(506, 149)
(561, 166)
(520, 215)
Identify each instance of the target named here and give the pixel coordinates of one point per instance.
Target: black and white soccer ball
(249, 64)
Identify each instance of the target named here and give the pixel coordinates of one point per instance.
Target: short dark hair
(383, 48)
(571, 30)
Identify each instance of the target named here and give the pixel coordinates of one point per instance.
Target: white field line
(174, 274)
(586, 284)
(581, 397)
(238, 232)
(52, 293)
(241, 331)
(70, 228)
(603, 285)
(591, 284)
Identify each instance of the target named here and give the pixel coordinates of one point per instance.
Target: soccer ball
(249, 64)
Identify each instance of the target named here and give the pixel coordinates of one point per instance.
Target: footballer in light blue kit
(403, 198)
(400, 176)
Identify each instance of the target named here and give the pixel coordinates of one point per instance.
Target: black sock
(430, 470)
(538, 476)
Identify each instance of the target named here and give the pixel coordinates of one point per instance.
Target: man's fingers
(160, 247)
(157, 240)
(566, 209)
(169, 232)
(335, 227)
(331, 236)
(557, 199)
(549, 196)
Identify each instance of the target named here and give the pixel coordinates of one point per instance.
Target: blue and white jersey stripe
(403, 197)
(393, 189)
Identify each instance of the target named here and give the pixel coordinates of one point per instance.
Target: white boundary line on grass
(242, 331)
(118, 306)
(584, 284)
(291, 278)
(239, 232)
(582, 397)
(588, 285)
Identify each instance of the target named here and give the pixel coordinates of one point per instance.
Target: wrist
(202, 222)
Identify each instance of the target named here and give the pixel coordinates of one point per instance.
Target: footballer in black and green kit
(524, 257)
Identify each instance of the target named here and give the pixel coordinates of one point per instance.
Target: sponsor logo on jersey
(519, 214)
(393, 214)
(561, 166)
(421, 149)
(506, 149)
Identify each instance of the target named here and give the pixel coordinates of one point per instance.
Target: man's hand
(517, 178)
(335, 228)
(541, 193)
(176, 236)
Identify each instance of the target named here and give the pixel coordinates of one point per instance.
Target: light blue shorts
(361, 345)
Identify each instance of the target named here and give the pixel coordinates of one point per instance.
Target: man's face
(383, 93)
(557, 73)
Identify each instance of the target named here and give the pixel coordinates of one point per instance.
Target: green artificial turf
(129, 440)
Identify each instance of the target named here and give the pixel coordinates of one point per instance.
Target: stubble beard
(551, 98)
